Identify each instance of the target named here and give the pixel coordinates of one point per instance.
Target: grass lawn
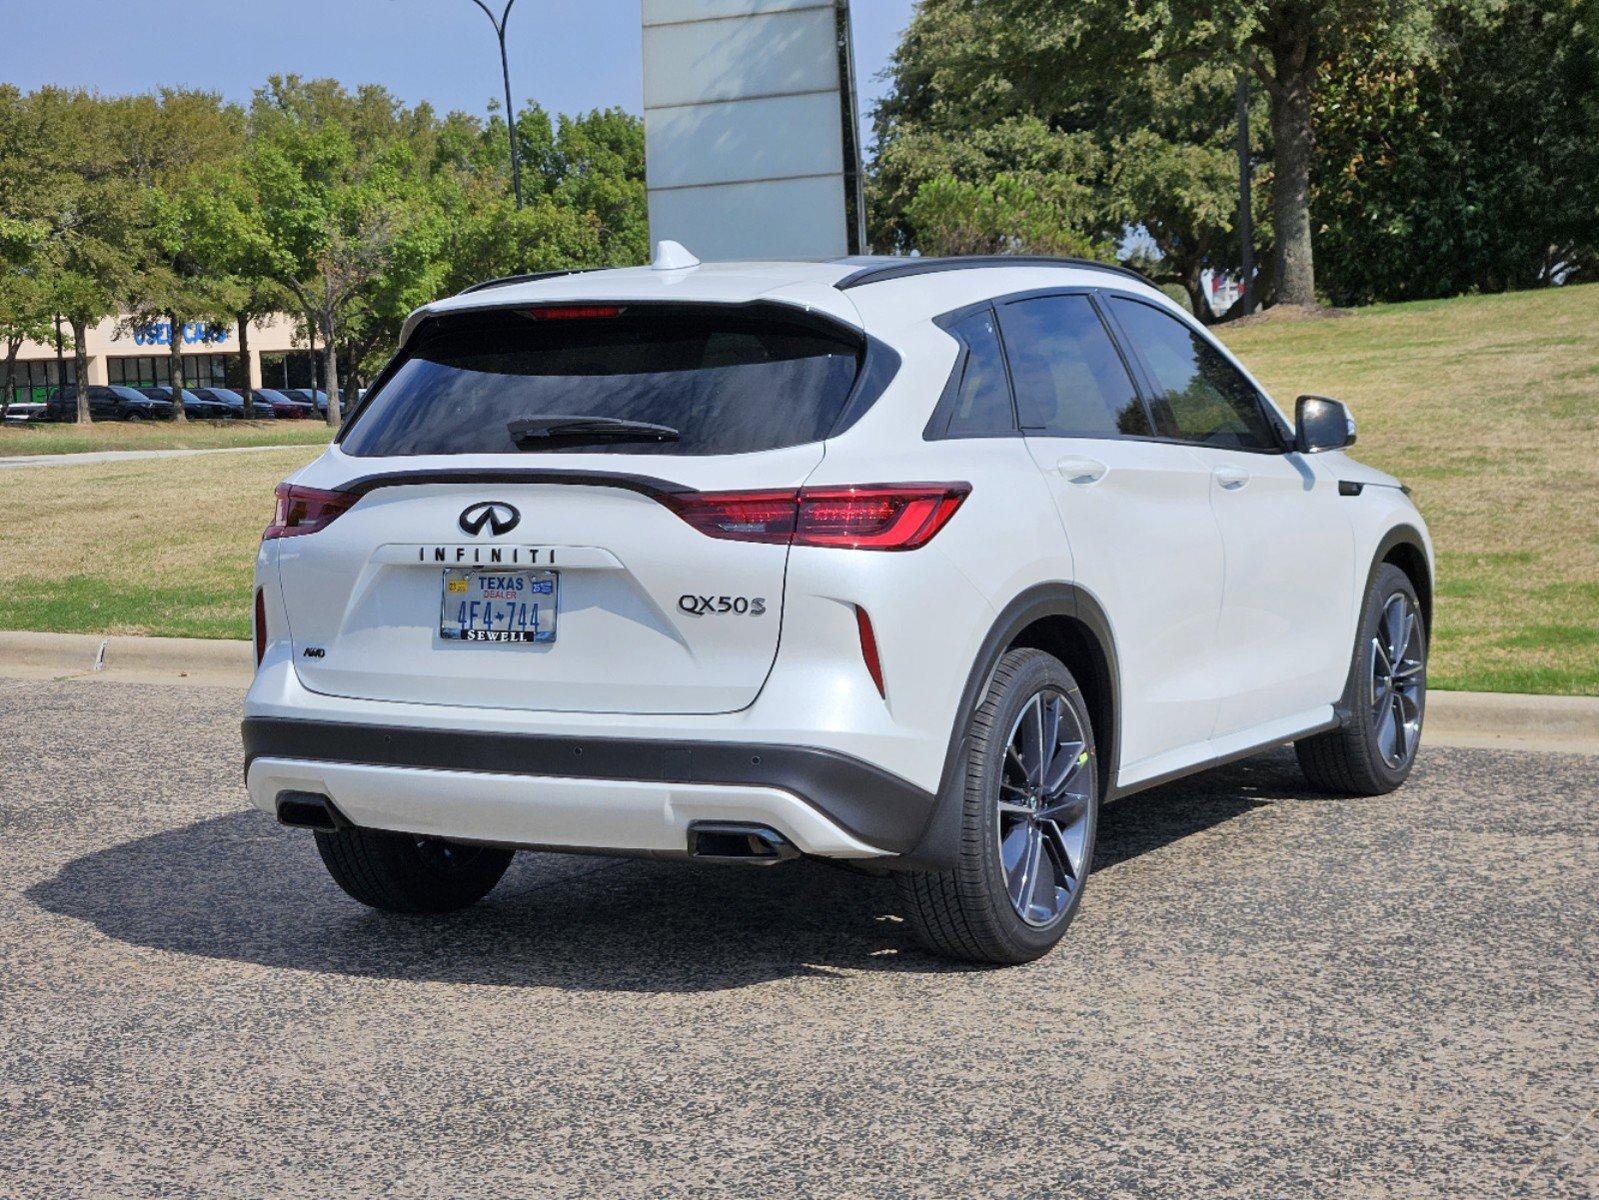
(29, 439)
(160, 546)
(1487, 406)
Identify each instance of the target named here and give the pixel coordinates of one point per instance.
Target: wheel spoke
(1061, 854)
(1050, 736)
(1014, 848)
(1400, 749)
(1394, 627)
(1408, 706)
(1387, 737)
(1030, 735)
(1064, 811)
(1010, 808)
(1069, 759)
(1021, 882)
(1041, 887)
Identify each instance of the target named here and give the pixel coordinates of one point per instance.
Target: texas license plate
(498, 606)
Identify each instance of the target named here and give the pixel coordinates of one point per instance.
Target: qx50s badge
(499, 516)
(703, 606)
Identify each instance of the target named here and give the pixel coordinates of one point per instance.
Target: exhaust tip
(741, 842)
(310, 810)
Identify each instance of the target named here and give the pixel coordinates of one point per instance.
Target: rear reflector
(302, 510)
(874, 517)
(260, 626)
(874, 665)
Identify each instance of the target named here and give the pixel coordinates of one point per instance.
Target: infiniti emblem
(499, 516)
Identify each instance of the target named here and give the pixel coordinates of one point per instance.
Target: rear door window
(1200, 396)
(729, 381)
(1070, 380)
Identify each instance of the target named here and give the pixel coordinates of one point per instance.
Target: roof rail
(905, 268)
(531, 277)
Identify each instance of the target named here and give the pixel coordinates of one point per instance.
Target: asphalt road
(1268, 993)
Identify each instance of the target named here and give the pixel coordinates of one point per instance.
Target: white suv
(907, 562)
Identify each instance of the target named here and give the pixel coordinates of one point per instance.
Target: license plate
(498, 606)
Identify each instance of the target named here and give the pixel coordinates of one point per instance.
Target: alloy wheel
(1045, 797)
(1398, 666)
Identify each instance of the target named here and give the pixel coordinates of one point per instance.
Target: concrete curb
(128, 659)
(1473, 719)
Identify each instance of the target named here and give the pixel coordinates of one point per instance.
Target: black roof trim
(906, 268)
(532, 277)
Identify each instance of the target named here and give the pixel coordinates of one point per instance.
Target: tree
(170, 142)
(1152, 80)
(77, 187)
(595, 165)
(1287, 45)
(989, 98)
(1475, 169)
(341, 207)
(24, 300)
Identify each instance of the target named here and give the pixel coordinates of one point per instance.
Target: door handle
(1231, 478)
(1082, 470)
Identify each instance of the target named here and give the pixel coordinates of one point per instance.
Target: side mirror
(1322, 424)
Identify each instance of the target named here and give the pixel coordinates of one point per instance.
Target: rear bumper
(592, 793)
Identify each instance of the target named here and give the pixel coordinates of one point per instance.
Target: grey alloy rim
(1398, 677)
(1045, 793)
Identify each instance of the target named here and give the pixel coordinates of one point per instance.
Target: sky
(569, 55)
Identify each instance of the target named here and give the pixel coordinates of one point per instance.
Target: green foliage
(1474, 169)
(345, 208)
(1000, 133)
(1458, 128)
(1007, 214)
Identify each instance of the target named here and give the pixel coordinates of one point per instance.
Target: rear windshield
(729, 381)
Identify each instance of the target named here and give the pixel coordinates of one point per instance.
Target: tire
(401, 873)
(1355, 760)
(968, 913)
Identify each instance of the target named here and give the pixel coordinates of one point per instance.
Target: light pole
(505, 72)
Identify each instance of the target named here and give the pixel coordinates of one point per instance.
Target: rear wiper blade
(543, 433)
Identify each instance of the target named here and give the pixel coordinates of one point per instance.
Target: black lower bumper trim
(875, 806)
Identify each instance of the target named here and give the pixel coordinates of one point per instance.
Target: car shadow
(239, 887)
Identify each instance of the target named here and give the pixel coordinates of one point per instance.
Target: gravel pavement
(1268, 993)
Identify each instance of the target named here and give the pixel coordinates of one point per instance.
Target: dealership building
(134, 353)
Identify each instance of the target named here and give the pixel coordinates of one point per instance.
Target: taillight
(873, 517)
(303, 510)
(260, 626)
(877, 518)
(739, 516)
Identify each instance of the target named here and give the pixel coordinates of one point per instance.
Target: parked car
(24, 410)
(910, 563)
(106, 403)
(315, 397)
(285, 407)
(234, 401)
(194, 407)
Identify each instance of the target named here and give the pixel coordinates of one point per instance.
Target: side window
(1070, 381)
(982, 405)
(1204, 397)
